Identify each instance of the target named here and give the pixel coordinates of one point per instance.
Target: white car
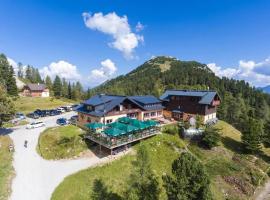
(35, 125)
(62, 110)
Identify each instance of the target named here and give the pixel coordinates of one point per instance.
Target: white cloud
(139, 27)
(61, 68)
(257, 74)
(118, 27)
(13, 64)
(105, 72)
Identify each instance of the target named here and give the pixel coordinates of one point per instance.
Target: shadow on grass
(5, 131)
(238, 147)
(98, 151)
(233, 145)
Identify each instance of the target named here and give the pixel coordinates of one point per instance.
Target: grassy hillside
(29, 104)
(6, 169)
(61, 142)
(233, 175)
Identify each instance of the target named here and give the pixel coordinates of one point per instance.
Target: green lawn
(61, 142)
(10, 125)
(233, 175)
(29, 104)
(6, 169)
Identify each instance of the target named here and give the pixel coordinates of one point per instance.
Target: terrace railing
(113, 142)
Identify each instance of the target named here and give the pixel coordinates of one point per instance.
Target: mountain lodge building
(184, 104)
(108, 108)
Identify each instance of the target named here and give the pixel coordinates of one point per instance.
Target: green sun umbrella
(94, 125)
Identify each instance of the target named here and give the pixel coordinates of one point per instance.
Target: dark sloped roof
(148, 99)
(100, 99)
(108, 102)
(36, 87)
(206, 96)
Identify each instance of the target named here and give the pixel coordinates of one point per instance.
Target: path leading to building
(264, 193)
(37, 178)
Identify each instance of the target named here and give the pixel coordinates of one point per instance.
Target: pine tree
(37, 77)
(79, 90)
(28, 73)
(48, 82)
(64, 88)
(7, 108)
(211, 137)
(20, 70)
(189, 180)
(101, 192)
(69, 96)
(252, 135)
(11, 83)
(143, 183)
(7, 78)
(57, 86)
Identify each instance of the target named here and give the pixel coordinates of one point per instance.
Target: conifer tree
(57, 86)
(69, 96)
(11, 82)
(252, 135)
(48, 82)
(64, 88)
(143, 183)
(7, 77)
(28, 73)
(7, 108)
(189, 180)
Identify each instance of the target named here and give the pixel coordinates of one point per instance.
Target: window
(146, 115)
(82, 116)
(108, 121)
(153, 114)
(159, 113)
(88, 119)
(88, 107)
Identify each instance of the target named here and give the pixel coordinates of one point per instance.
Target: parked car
(62, 121)
(62, 110)
(20, 116)
(33, 115)
(35, 125)
(74, 106)
(73, 120)
(54, 112)
(67, 108)
(41, 113)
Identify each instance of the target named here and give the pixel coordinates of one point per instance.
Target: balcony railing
(113, 142)
(126, 111)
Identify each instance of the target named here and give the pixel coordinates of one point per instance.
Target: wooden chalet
(184, 104)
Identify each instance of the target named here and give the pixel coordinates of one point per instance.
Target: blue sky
(232, 36)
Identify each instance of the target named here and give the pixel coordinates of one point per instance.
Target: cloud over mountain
(105, 72)
(258, 74)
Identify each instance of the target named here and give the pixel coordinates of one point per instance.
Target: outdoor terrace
(123, 132)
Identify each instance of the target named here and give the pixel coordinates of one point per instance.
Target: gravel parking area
(37, 178)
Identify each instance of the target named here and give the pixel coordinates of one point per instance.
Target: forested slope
(240, 101)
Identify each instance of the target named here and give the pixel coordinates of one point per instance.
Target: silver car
(35, 125)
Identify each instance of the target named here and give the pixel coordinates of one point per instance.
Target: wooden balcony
(126, 111)
(216, 103)
(114, 142)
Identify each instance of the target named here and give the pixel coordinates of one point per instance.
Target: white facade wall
(45, 94)
(209, 117)
(112, 118)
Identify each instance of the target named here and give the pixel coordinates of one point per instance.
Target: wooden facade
(183, 107)
(126, 108)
